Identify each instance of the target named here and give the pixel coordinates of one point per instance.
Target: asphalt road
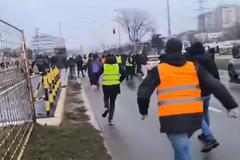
(133, 139)
(40, 105)
(223, 57)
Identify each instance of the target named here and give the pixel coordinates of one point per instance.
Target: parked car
(152, 60)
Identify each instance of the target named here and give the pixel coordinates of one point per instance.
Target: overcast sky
(45, 14)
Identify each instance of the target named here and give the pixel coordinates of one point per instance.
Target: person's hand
(144, 116)
(233, 113)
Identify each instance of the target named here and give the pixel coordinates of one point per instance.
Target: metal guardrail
(17, 114)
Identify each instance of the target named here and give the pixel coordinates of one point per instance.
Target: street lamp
(168, 17)
(119, 34)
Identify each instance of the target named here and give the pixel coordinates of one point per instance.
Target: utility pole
(38, 41)
(168, 18)
(119, 35)
(60, 30)
(201, 17)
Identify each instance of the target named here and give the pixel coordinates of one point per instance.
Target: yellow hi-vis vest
(85, 61)
(119, 59)
(127, 63)
(111, 74)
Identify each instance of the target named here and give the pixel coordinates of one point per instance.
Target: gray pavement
(40, 105)
(223, 57)
(133, 139)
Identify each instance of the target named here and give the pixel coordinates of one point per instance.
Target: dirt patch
(75, 139)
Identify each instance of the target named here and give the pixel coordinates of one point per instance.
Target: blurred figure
(89, 66)
(61, 63)
(85, 60)
(113, 75)
(197, 55)
(143, 59)
(71, 64)
(96, 65)
(41, 63)
(235, 51)
(79, 62)
(138, 64)
(129, 67)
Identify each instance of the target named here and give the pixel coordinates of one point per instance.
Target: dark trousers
(139, 69)
(129, 72)
(80, 69)
(109, 103)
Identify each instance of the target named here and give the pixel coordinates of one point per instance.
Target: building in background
(223, 16)
(46, 43)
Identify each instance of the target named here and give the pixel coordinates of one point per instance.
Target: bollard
(50, 87)
(37, 90)
(46, 86)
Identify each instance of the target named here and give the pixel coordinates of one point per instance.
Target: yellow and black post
(46, 86)
(50, 86)
(37, 90)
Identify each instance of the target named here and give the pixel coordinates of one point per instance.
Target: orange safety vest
(179, 92)
(103, 60)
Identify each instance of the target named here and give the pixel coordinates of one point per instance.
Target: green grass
(222, 63)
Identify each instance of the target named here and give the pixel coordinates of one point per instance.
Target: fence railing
(17, 114)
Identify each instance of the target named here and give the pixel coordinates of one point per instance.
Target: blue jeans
(206, 131)
(205, 125)
(181, 147)
(206, 101)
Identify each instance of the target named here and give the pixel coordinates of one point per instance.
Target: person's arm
(207, 81)
(214, 69)
(123, 73)
(33, 63)
(145, 90)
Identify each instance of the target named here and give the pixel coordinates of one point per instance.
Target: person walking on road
(96, 66)
(79, 62)
(71, 64)
(89, 66)
(61, 63)
(180, 108)
(85, 60)
(113, 75)
(143, 59)
(197, 55)
(41, 63)
(130, 67)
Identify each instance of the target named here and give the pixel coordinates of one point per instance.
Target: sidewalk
(76, 138)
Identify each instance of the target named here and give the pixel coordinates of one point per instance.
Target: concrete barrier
(58, 115)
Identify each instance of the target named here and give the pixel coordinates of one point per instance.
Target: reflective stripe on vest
(127, 62)
(179, 91)
(111, 74)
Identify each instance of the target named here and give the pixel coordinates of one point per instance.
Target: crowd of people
(184, 84)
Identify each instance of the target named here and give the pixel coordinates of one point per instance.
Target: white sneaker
(143, 77)
(111, 122)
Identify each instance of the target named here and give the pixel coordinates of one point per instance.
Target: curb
(93, 119)
(58, 115)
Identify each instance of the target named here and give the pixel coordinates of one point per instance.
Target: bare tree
(136, 23)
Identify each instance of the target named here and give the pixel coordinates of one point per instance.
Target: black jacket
(71, 62)
(208, 64)
(188, 123)
(41, 62)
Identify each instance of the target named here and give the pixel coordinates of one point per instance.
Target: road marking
(238, 85)
(214, 109)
